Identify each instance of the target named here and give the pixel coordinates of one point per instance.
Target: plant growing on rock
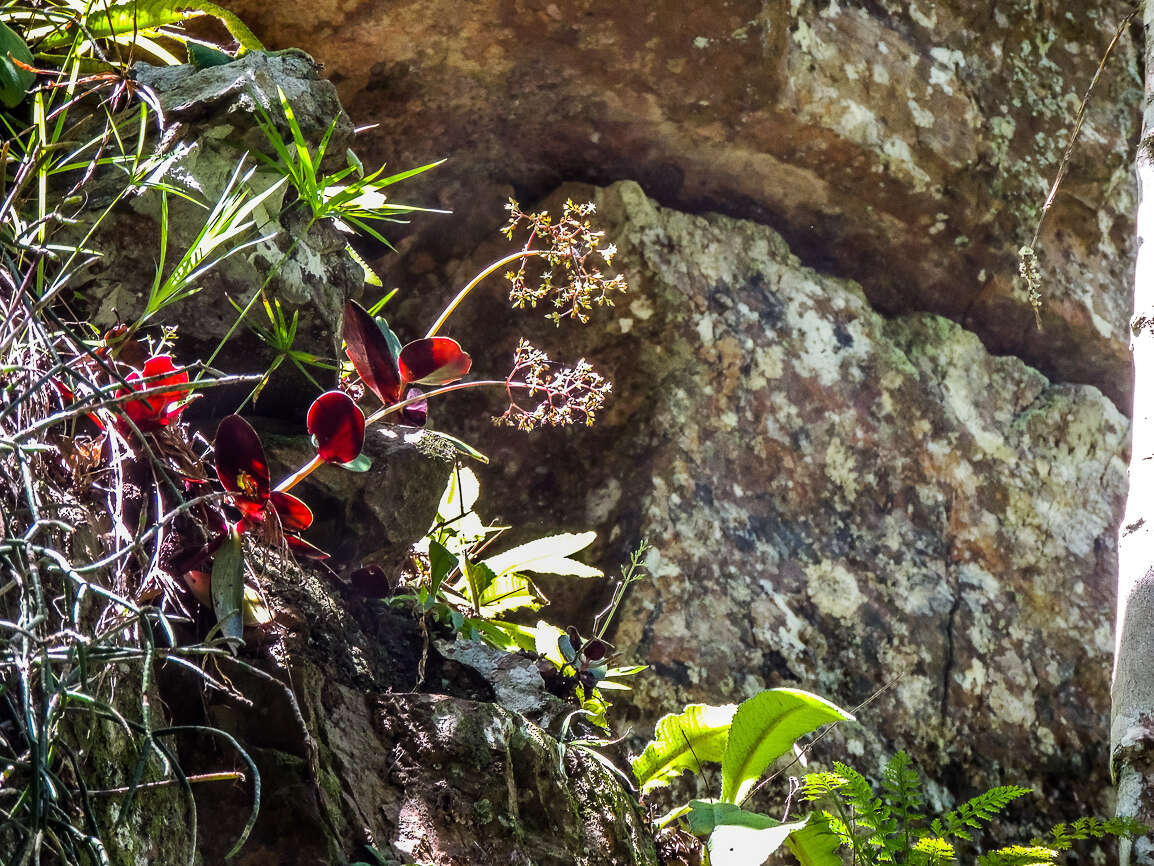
(850, 822)
(891, 826)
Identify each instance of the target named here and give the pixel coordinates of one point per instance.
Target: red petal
(177, 377)
(369, 351)
(338, 425)
(299, 545)
(433, 361)
(415, 414)
(294, 515)
(240, 462)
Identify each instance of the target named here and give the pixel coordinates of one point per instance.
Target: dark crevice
(948, 666)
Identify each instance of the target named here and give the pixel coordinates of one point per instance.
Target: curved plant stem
(461, 295)
(300, 475)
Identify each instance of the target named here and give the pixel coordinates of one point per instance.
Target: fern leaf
(1019, 855)
(978, 810)
(931, 851)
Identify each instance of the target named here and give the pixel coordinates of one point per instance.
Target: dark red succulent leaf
(433, 361)
(294, 515)
(415, 414)
(369, 351)
(595, 649)
(159, 409)
(299, 545)
(338, 425)
(371, 582)
(241, 464)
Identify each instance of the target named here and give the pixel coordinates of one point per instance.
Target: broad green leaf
(546, 638)
(206, 57)
(441, 562)
(460, 494)
(706, 815)
(509, 592)
(683, 742)
(815, 844)
(506, 636)
(743, 838)
(549, 555)
(14, 81)
(132, 18)
(228, 586)
(765, 728)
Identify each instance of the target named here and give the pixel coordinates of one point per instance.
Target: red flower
(388, 369)
(243, 470)
(338, 426)
(160, 408)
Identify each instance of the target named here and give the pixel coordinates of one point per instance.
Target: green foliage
(745, 740)
(764, 729)
(14, 80)
(891, 827)
(347, 196)
(472, 594)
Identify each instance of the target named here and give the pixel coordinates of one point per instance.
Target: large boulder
(909, 146)
(836, 500)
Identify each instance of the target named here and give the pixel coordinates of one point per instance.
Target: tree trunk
(1132, 714)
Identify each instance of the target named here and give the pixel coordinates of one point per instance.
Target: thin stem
(225, 776)
(456, 386)
(461, 295)
(300, 475)
(307, 469)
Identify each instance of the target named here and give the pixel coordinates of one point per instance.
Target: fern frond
(875, 825)
(818, 786)
(976, 811)
(1019, 855)
(931, 851)
(1062, 836)
(903, 788)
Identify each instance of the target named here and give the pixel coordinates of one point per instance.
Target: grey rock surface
(837, 501)
(908, 146)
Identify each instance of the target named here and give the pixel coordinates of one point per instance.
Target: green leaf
(815, 844)
(392, 339)
(746, 838)
(506, 636)
(706, 815)
(228, 586)
(672, 815)
(764, 729)
(14, 81)
(441, 562)
(683, 742)
(509, 592)
(549, 555)
(363, 463)
(206, 57)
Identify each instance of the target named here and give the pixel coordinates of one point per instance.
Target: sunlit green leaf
(683, 742)
(549, 555)
(765, 728)
(509, 592)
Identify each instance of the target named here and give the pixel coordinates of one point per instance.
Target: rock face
(357, 759)
(839, 501)
(211, 126)
(908, 146)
